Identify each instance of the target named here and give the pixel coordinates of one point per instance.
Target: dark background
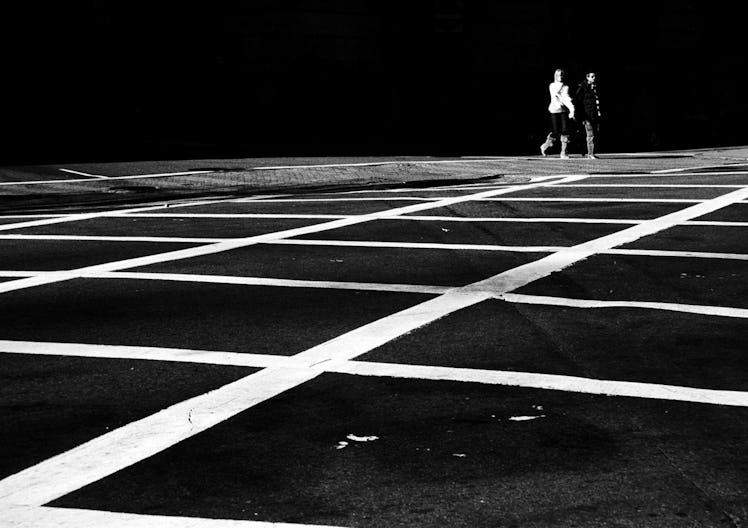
(109, 80)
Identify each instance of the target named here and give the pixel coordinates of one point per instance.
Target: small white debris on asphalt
(459, 455)
(525, 418)
(537, 407)
(341, 445)
(445, 230)
(362, 438)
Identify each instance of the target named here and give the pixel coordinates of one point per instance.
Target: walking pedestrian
(561, 109)
(589, 110)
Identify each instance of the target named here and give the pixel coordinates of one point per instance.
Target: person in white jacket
(561, 109)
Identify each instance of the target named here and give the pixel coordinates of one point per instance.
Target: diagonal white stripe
(44, 517)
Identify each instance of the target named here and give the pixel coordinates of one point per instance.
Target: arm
(563, 96)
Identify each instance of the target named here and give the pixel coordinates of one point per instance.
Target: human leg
(549, 142)
(589, 128)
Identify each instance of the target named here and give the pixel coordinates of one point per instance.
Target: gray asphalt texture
(446, 453)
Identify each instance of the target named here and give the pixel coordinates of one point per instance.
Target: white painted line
(378, 199)
(244, 242)
(520, 220)
(665, 171)
(103, 238)
(41, 348)
(85, 174)
(231, 215)
(486, 247)
(654, 185)
(75, 217)
(412, 245)
(136, 441)
(672, 173)
(21, 217)
(675, 254)
(720, 311)
(281, 283)
(45, 517)
(547, 382)
(715, 223)
(602, 200)
(366, 368)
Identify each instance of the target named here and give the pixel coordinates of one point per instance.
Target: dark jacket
(587, 102)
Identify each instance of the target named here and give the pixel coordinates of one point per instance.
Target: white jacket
(560, 100)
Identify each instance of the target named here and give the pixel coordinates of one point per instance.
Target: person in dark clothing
(588, 102)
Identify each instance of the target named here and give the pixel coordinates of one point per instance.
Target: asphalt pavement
(467, 342)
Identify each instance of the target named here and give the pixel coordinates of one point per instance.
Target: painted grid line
(378, 369)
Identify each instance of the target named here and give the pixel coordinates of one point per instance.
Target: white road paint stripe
(45, 517)
(367, 199)
(85, 174)
(103, 238)
(519, 220)
(547, 382)
(231, 215)
(282, 283)
(656, 185)
(21, 217)
(602, 200)
(675, 254)
(123, 447)
(75, 217)
(366, 368)
(486, 247)
(715, 223)
(672, 174)
(666, 171)
(587, 185)
(244, 242)
(41, 348)
(720, 311)
(412, 245)
(622, 221)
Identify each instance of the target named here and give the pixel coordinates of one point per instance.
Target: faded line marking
(266, 281)
(547, 382)
(135, 177)
(87, 216)
(85, 174)
(720, 311)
